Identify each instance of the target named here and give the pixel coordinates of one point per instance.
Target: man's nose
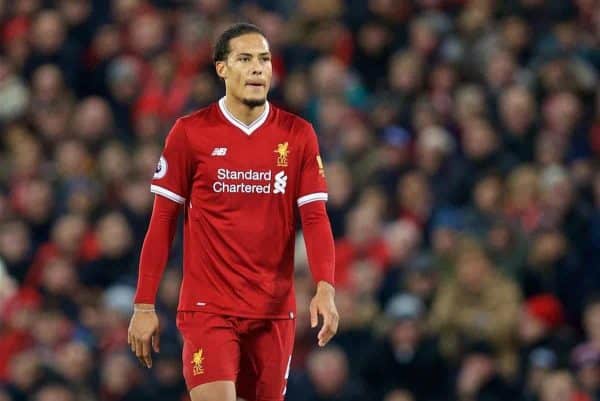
(257, 68)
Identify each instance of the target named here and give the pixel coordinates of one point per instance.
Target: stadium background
(461, 140)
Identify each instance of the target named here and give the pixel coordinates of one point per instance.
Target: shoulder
(203, 116)
(193, 122)
(292, 123)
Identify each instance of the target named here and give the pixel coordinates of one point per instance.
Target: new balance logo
(280, 183)
(219, 152)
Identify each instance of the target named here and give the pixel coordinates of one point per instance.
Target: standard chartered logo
(280, 183)
(250, 181)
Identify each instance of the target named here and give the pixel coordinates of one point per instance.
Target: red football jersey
(240, 185)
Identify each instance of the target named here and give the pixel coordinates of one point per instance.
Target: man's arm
(321, 260)
(143, 328)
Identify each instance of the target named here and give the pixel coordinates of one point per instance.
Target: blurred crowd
(462, 149)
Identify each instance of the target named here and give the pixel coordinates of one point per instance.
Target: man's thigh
(265, 355)
(210, 348)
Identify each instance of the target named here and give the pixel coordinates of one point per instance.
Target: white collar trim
(248, 129)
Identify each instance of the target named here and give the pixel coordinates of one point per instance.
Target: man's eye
(244, 59)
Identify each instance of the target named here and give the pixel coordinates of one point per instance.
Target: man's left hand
(323, 304)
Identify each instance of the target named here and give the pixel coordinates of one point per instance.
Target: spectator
(522, 199)
(123, 84)
(406, 358)
(362, 241)
(415, 201)
(518, 117)
(70, 239)
(485, 207)
(14, 94)
(115, 252)
(50, 45)
(25, 374)
(559, 205)
(482, 150)
(120, 380)
(476, 304)
(434, 149)
(542, 361)
(586, 364)
(478, 377)
(394, 157)
(54, 392)
(326, 379)
(550, 263)
(167, 381)
(74, 362)
(508, 248)
(422, 278)
(446, 228)
(357, 151)
(340, 196)
(355, 336)
(540, 334)
(561, 386)
(93, 122)
(403, 240)
(15, 248)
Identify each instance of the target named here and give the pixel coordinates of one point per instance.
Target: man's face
(479, 140)
(517, 110)
(472, 270)
(406, 334)
(247, 70)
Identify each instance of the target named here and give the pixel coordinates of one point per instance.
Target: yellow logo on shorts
(197, 360)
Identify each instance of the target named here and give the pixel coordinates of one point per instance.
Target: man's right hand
(143, 333)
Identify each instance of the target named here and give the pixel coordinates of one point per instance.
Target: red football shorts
(253, 353)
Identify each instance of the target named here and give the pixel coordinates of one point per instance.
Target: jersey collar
(248, 129)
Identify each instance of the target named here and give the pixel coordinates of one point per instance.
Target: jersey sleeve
(173, 176)
(313, 186)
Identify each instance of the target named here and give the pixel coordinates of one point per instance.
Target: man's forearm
(319, 242)
(155, 250)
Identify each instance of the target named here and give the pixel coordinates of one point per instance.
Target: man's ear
(221, 68)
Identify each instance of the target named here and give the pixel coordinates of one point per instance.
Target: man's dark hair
(222, 48)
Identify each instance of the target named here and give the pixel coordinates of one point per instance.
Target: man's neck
(242, 112)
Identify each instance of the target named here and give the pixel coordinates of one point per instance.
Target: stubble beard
(252, 103)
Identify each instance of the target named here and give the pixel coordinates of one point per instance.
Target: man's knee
(214, 391)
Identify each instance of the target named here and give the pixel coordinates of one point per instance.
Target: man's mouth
(255, 84)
